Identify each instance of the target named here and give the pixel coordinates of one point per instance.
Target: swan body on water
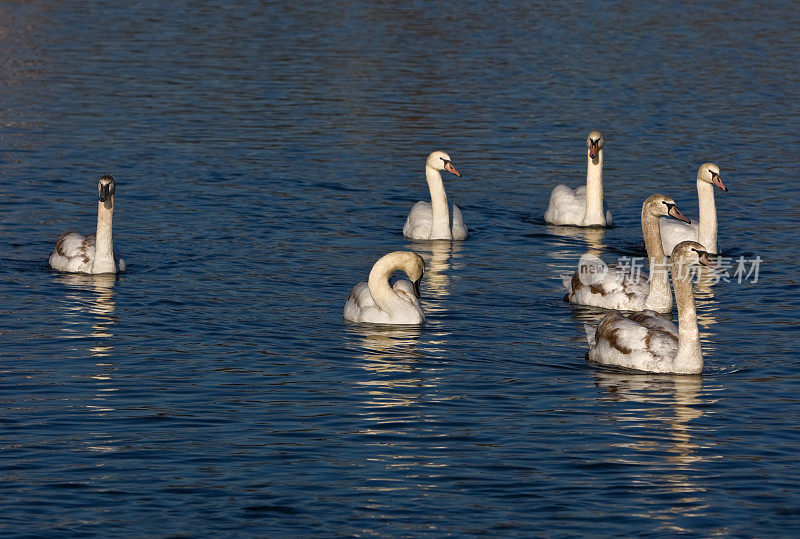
(431, 220)
(379, 301)
(582, 206)
(94, 253)
(646, 341)
(618, 287)
(704, 230)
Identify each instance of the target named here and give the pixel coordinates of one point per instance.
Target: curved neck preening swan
(385, 298)
(689, 359)
(104, 242)
(707, 178)
(660, 297)
(594, 181)
(440, 213)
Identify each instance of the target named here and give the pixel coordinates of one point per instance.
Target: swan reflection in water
(90, 311)
(661, 438)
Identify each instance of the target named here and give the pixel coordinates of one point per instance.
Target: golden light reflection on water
(679, 400)
(90, 298)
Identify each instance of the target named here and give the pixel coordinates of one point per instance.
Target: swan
(584, 205)
(93, 253)
(646, 341)
(431, 220)
(618, 289)
(379, 301)
(705, 229)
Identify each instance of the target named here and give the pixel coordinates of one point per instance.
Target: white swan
(378, 301)
(431, 220)
(93, 253)
(705, 229)
(584, 205)
(645, 340)
(618, 287)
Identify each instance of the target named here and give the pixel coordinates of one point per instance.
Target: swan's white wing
(628, 343)
(459, 228)
(673, 232)
(653, 320)
(360, 306)
(567, 206)
(405, 289)
(616, 289)
(419, 222)
(73, 253)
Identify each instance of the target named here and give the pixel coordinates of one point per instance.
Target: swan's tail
(590, 331)
(566, 280)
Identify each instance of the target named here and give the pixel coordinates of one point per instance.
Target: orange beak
(593, 150)
(716, 180)
(676, 213)
(451, 169)
(706, 262)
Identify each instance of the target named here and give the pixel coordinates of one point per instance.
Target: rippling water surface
(267, 155)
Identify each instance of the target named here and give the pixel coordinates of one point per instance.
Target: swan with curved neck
(379, 301)
(613, 288)
(582, 206)
(431, 220)
(705, 229)
(646, 341)
(94, 253)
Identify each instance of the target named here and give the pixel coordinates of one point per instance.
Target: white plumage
(626, 288)
(646, 341)
(582, 206)
(431, 220)
(94, 253)
(383, 301)
(703, 230)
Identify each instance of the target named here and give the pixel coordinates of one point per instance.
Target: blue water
(266, 155)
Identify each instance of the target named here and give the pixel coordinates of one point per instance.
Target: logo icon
(591, 269)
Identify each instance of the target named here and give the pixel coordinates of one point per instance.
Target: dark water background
(266, 155)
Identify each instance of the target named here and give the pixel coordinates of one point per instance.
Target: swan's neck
(440, 214)
(594, 191)
(384, 297)
(660, 297)
(690, 357)
(707, 226)
(104, 243)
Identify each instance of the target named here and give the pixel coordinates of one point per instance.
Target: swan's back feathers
(617, 289)
(638, 342)
(460, 231)
(567, 206)
(420, 222)
(73, 253)
(673, 232)
(360, 306)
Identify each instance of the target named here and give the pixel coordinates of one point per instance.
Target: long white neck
(690, 357)
(440, 227)
(384, 297)
(594, 191)
(660, 296)
(707, 226)
(104, 246)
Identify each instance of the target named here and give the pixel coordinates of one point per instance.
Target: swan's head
(441, 161)
(709, 173)
(415, 269)
(691, 253)
(595, 143)
(106, 188)
(662, 205)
